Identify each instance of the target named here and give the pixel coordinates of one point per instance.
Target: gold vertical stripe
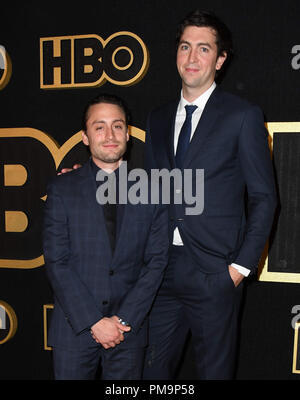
(46, 307)
(72, 61)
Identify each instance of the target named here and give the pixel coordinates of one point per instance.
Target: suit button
(111, 272)
(104, 302)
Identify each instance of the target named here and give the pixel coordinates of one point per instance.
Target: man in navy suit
(105, 262)
(211, 253)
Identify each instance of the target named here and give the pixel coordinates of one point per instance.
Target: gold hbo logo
(5, 67)
(89, 60)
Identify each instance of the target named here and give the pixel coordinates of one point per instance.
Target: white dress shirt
(200, 102)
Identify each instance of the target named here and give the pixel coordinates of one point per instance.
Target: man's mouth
(110, 145)
(191, 69)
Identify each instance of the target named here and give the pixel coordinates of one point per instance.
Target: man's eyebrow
(198, 44)
(98, 121)
(204, 44)
(184, 42)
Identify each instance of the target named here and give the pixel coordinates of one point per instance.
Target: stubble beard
(110, 158)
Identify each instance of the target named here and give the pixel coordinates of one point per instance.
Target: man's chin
(111, 158)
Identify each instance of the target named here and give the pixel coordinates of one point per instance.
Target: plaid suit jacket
(88, 281)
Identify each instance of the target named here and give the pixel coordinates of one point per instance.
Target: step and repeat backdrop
(54, 57)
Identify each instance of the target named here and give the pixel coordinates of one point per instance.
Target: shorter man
(105, 262)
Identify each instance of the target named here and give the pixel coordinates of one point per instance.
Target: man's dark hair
(209, 20)
(107, 99)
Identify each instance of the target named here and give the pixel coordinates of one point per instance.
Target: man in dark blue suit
(211, 253)
(105, 262)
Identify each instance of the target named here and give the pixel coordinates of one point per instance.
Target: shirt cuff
(244, 271)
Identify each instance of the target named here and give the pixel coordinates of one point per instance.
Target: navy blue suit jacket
(230, 144)
(90, 282)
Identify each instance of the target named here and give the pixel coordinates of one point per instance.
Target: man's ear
(220, 60)
(85, 138)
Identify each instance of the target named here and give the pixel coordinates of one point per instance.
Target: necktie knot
(190, 109)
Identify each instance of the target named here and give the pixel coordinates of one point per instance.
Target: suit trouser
(206, 304)
(117, 363)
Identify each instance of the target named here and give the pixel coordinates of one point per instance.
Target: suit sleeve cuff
(244, 271)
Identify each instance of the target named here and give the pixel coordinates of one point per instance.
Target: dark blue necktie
(184, 136)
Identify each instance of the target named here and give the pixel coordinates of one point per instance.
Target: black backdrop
(265, 70)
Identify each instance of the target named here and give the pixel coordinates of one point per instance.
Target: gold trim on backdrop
(296, 347)
(13, 321)
(137, 133)
(264, 274)
(22, 264)
(46, 307)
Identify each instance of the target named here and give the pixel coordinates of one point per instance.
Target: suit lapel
(88, 188)
(124, 219)
(121, 220)
(208, 118)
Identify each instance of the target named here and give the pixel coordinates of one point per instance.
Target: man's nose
(109, 133)
(193, 56)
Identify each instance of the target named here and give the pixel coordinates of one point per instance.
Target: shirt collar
(96, 169)
(200, 102)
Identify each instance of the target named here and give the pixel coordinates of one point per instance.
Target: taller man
(211, 253)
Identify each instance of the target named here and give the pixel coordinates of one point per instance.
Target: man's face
(197, 59)
(106, 134)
